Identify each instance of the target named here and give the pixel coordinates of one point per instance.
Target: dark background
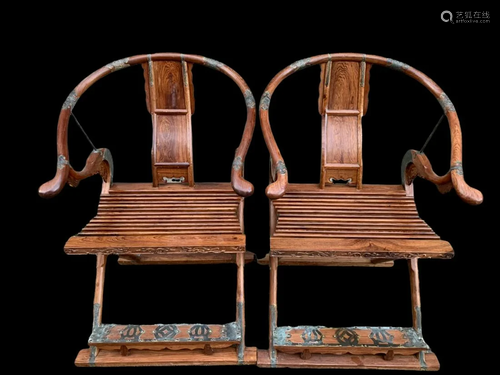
(53, 292)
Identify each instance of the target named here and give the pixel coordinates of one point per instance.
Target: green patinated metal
(446, 103)
(407, 159)
(457, 166)
(362, 74)
(265, 101)
(164, 333)
(70, 101)
(300, 64)
(185, 79)
(281, 167)
(118, 64)
(249, 99)
(397, 65)
(62, 162)
(237, 163)
(421, 358)
(241, 348)
(328, 73)
(274, 338)
(312, 335)
(418, 319)
(348, 336)
(93, 354)
(97, 310)
(150, 71)
(107, 156)
(211, 63)
(381, 336)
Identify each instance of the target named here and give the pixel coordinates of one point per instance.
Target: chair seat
(140, 219)
(378, 221)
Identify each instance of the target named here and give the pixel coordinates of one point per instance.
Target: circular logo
(447, 16)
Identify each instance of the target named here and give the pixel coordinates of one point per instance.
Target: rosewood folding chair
(342, 221)
(171, 220)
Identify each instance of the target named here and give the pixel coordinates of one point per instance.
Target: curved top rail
(64, 169)
(278, 187)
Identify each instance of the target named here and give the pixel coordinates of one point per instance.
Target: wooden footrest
(113, 358)
(165, 336)
(428, 361)
(146, 259)
(349, 340)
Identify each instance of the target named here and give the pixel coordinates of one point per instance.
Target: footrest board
(170, 336)
(141, 358)
(427, 361)
(349, 340)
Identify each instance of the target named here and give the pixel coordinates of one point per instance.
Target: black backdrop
(53, 292)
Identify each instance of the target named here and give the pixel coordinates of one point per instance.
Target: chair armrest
(416, 163)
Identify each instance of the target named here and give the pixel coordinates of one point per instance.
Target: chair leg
(415, 295)
(240, 304)
(156, 344)
(273, 307)
(415, 302)
(98, 299)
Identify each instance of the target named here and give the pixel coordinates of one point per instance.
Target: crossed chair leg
(347, 347)
(162, 344)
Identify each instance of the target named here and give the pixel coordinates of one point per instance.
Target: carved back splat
(342, 103)
(169, 97)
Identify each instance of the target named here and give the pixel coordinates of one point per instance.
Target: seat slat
(172, 197)
(160, 225)
(158, 232)
(350, 223)
(164, 220)
(347, 199)
(164, 214)
(357, 235)
(344, 204)
(327, 220)
(347, 213)
(362, 210)
(167, 208)
(164, 203)
(356, 229)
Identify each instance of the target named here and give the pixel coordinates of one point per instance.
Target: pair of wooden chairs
(339, 221)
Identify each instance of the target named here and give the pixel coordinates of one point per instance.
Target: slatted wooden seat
(343, 222)
(378, 219)
(171, 220)
(134, 219)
